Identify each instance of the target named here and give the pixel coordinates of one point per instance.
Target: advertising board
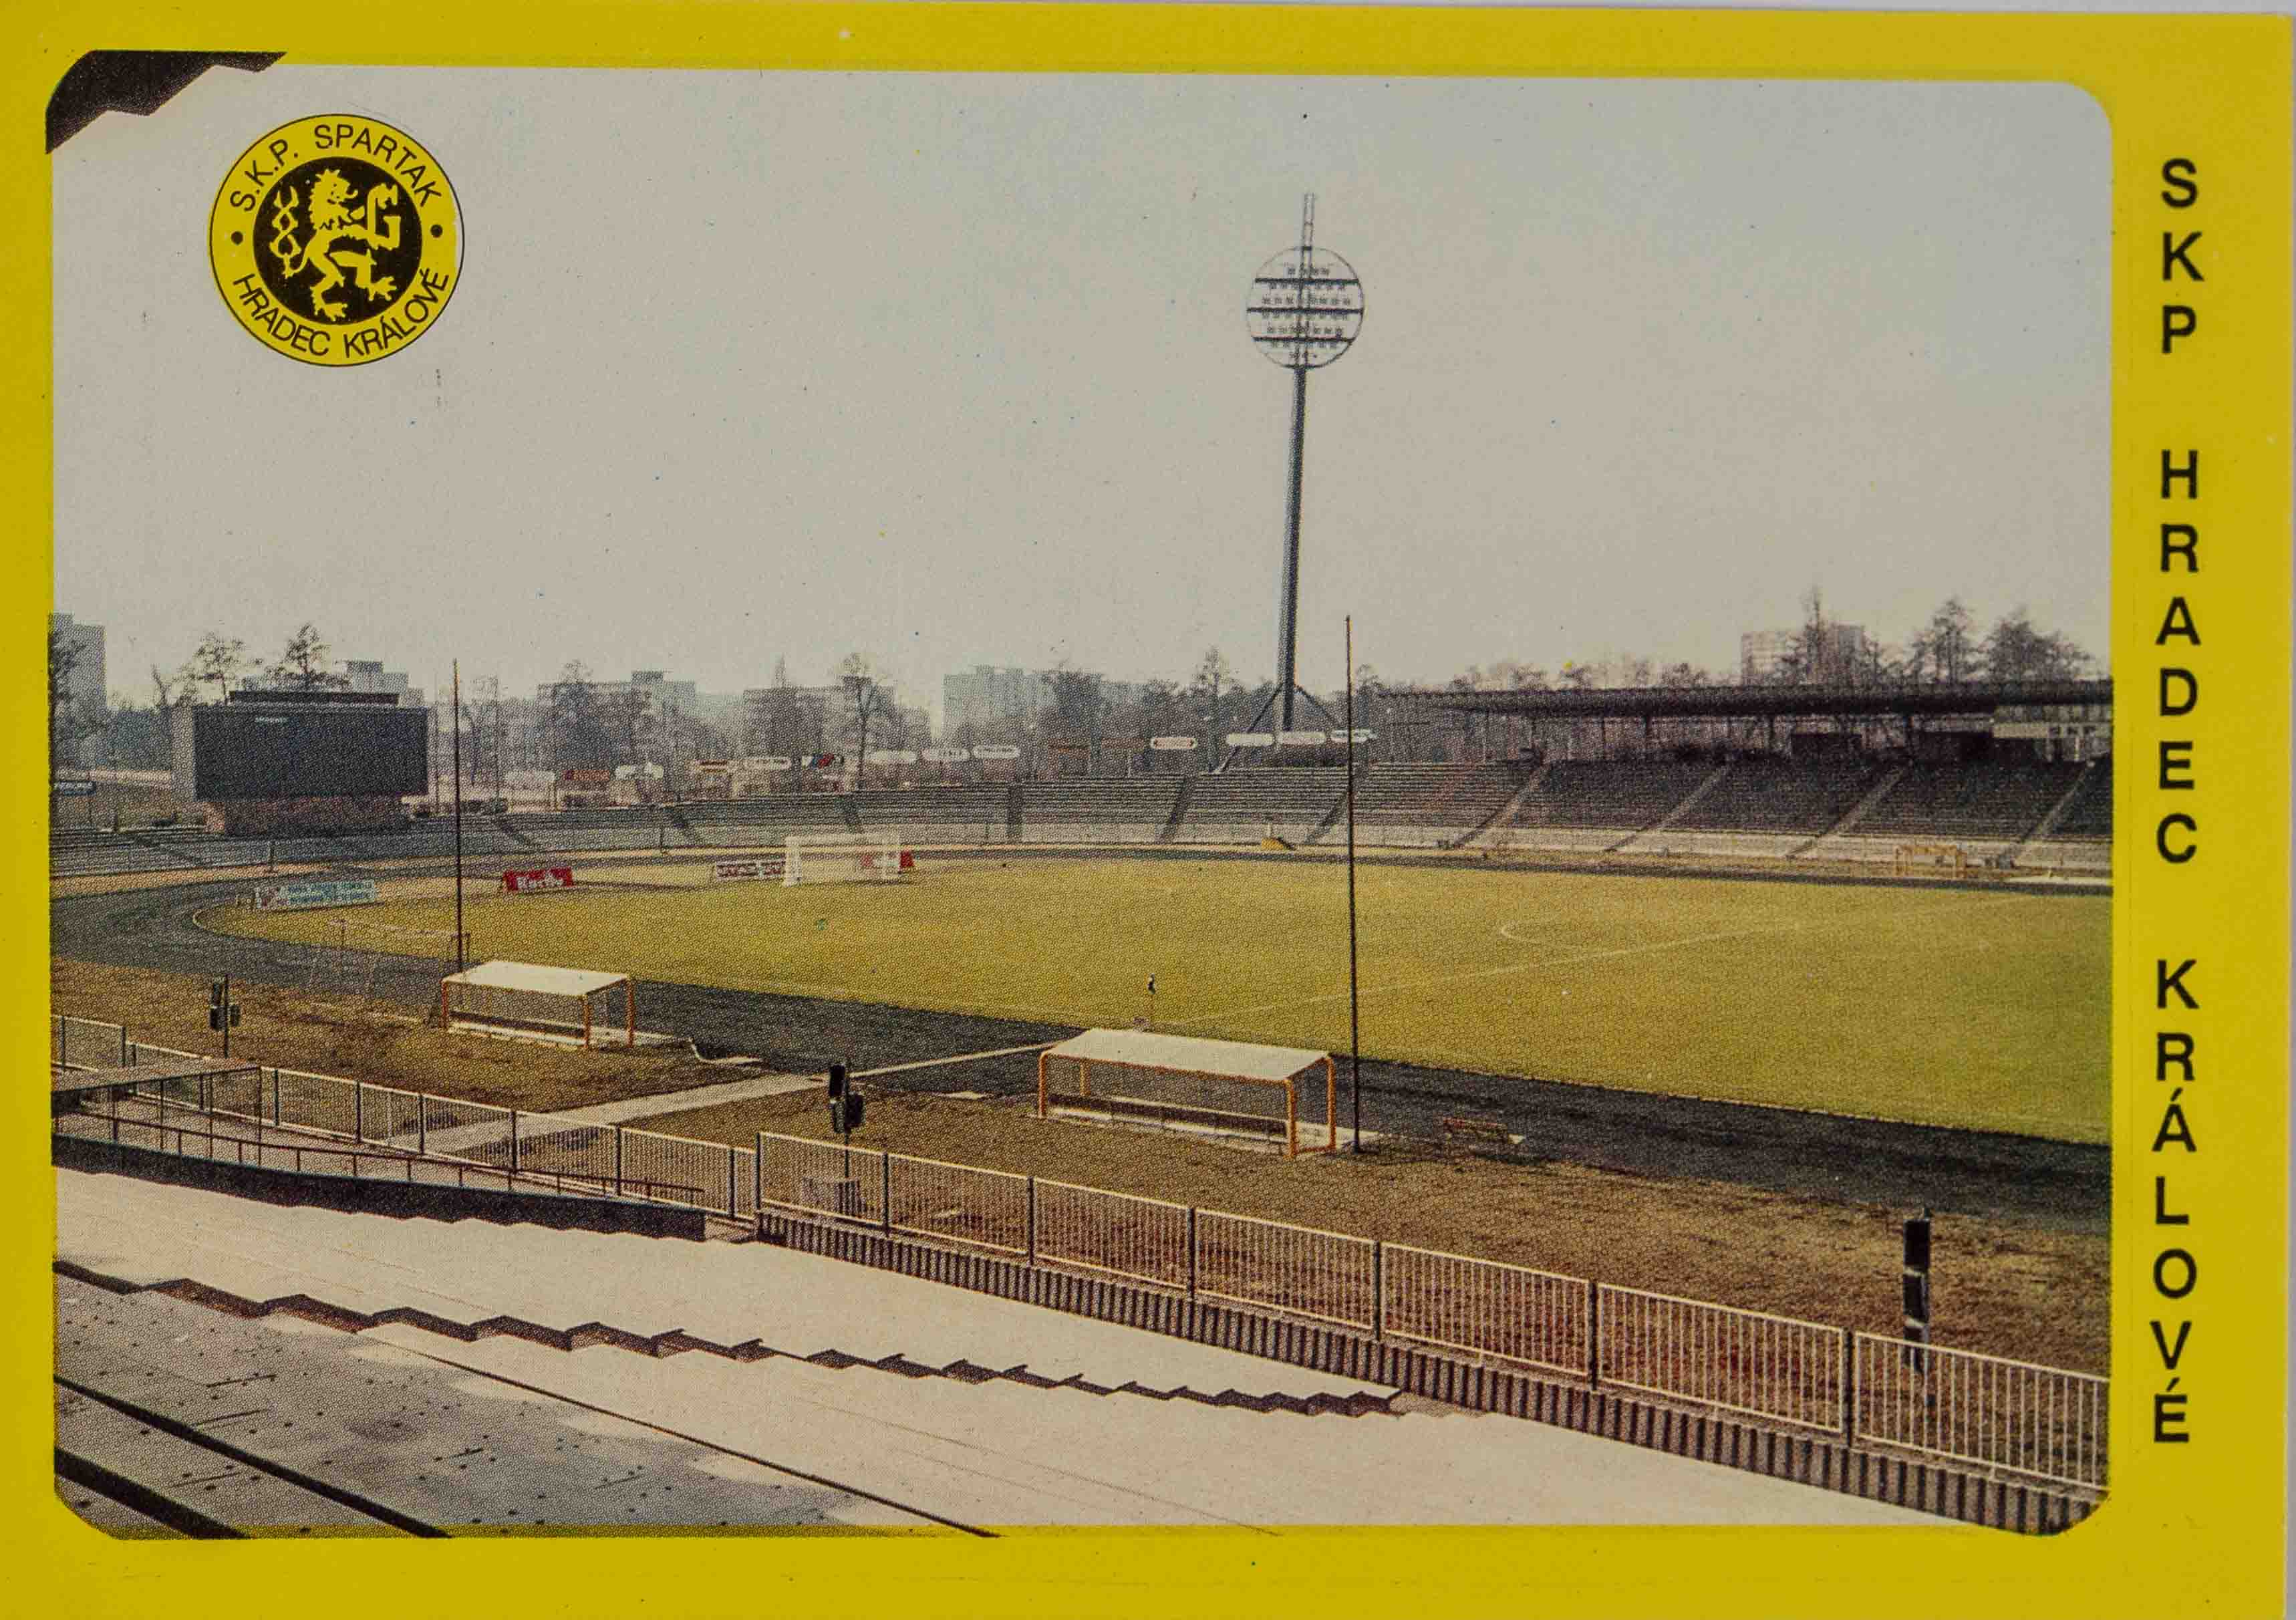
(307, 893)
(537, 879)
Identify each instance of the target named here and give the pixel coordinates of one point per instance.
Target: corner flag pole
(1355, 1025)
(461, 965)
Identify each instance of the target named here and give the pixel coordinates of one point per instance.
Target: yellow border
(2190, 1527)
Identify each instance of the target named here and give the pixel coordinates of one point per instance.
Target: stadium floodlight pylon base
(1331, 720)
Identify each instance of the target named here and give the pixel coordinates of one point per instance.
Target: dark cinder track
(2060, 1185)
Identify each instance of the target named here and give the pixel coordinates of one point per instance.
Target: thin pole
(460, 963)
(1355, 1023)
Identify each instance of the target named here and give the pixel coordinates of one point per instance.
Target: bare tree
(1943, 650)
(217, 662)
(868, 700)
(1078, 705)
(302, 667)
(580, 734)
(1213, 678)
(67, 722)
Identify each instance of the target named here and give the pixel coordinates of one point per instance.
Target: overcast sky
(953, 370)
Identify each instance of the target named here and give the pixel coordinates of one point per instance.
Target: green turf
(1974, 1009)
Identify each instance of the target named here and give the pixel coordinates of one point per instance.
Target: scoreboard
(257, 749)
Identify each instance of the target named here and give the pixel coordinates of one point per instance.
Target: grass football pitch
(1974, 1009)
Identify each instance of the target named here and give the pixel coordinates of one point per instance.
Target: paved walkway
(623, 1112)
(625, 1109)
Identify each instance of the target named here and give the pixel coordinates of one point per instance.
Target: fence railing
(990, 1209)
(2010, 1415)
(184, 1138)
(86, 1043)
(2014, 1417)
(1121, 1234)
(1481, 1306)
(1718, 1356)
(1298, 1269)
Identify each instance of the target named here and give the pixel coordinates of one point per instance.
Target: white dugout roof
(1148, 1049)
(530, 976)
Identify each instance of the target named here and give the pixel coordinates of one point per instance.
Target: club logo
(336, 239)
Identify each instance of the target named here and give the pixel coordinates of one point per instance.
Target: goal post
(1186, 1082)
(817, 858)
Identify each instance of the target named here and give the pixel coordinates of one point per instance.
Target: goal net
(1232, 1087)
(841, 857)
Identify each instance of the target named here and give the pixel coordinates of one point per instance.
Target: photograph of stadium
(947, 803)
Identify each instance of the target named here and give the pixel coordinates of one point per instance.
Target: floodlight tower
(1305, 308)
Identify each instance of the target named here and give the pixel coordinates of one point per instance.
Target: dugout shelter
(528, 1000)
(1187, 1079)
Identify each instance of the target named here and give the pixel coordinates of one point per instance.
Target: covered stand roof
(1148, 1049)
(533, 976)
(1719, 703)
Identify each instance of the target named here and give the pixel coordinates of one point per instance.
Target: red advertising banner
(589, 778)
(540, 877)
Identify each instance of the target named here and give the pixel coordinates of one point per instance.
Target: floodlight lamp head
(1306, 304)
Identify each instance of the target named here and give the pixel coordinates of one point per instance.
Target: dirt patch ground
(2000, 1287)
(388, 1046)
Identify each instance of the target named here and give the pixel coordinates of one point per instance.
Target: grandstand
(1101, 810)
(2087, 811)
(1591, 804)
(1432, 805)
(1858, 773)
(1981, 800)
(1244, 806)
(1754, 807)
(1781, 796)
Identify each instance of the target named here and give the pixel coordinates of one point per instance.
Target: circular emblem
(336, 239)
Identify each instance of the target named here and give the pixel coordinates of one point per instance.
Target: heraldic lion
(342, 240)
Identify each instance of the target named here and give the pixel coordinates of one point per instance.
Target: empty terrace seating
(1972, 800)
(1612, 794)
(1782, 796)
(588, 829)
(1098, 810)
(1234, 806)
(765, 817)
(111, 853)
(1450, 796)
(967, 815)
(2089, 815)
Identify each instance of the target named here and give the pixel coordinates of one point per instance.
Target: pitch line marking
(1567, 961)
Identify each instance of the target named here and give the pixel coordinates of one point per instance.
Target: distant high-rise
(1839, 653)
(985, 696)
(84, 685)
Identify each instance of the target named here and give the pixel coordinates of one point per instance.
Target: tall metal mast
(1305, 308)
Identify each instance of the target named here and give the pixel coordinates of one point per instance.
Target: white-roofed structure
(1187, 1079)
(533, 1001)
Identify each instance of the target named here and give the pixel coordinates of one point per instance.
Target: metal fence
(1120, 1234)
(988, 1209)
(1298, 1269)
(2011, 1415)
(1537, 1318)
(1718, 1356)
(87, 1043)
(814, 1177)
(2016, 1417)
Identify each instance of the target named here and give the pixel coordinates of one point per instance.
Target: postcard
(1159, 809)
